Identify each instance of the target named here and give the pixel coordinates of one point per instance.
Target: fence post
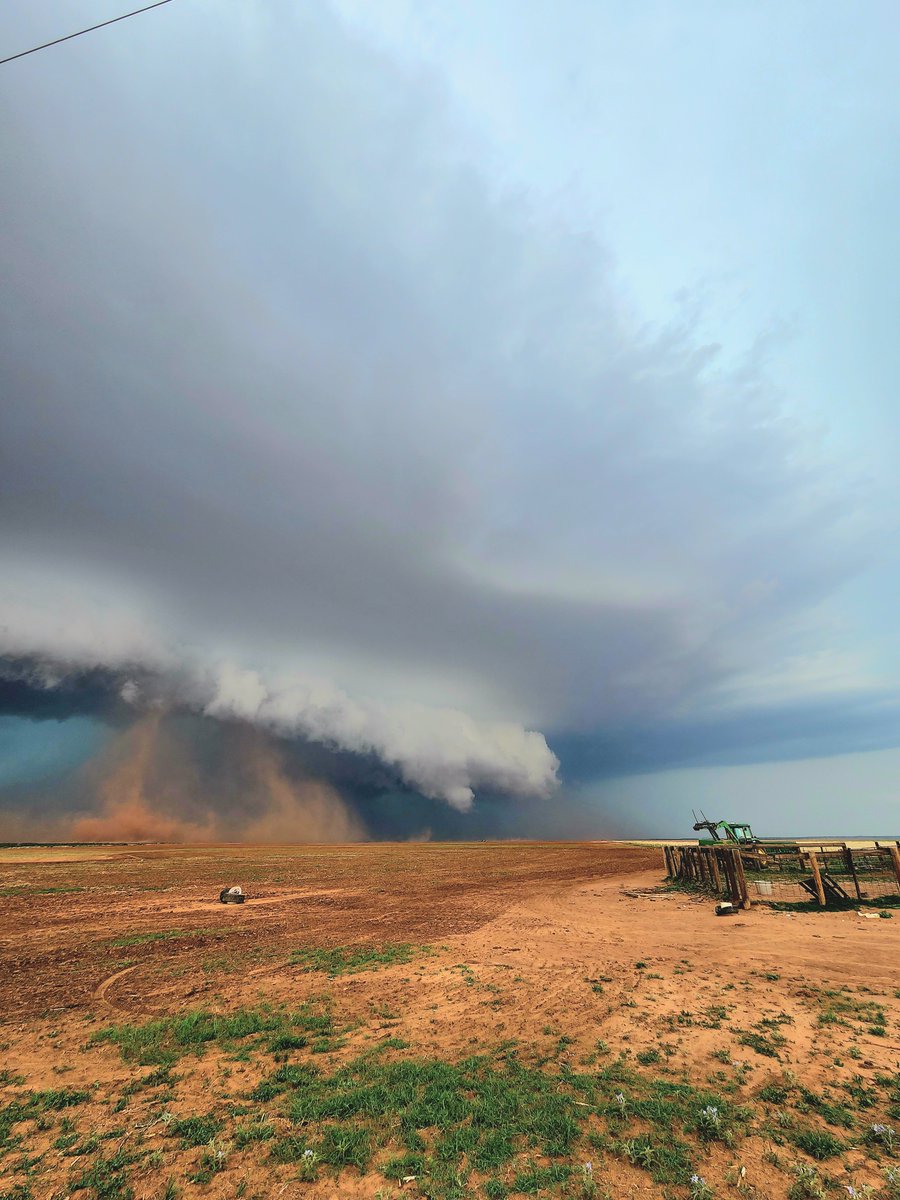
(817, 877)
(728, 868)
(848, 859)
(691, 865)
(714, 867)
(895, 859)
(741, 879)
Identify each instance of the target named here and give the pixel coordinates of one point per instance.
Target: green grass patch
(12, 1114)
(666, 1159)
(290, 1148)
(106, 1178)
(493, 1115)
(817, 1143)
(194, 1131)
(163, 935)
(58, 1098)
(346, 1146)
(647, 1057)
(253, 1131)
(833, 1114)
(764, 1042)
(486, 1111)
(535, 1179)
(348, 960)
(162, 1042)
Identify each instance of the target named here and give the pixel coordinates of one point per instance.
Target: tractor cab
(742, 833)
(725, 832)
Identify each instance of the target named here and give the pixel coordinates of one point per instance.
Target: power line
(69, 36)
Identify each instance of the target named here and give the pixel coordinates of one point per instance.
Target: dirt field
(433, 1020)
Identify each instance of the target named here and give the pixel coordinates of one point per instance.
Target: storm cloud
(310, 423)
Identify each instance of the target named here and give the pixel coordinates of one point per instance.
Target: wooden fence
(828, 872)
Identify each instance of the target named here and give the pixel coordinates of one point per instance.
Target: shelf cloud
(312, 426)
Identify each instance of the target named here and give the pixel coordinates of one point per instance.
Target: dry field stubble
(433, 1020)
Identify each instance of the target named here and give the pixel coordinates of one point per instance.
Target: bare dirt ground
(608, 1016)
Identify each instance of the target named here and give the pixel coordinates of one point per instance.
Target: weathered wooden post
(741, 878)
(817, 877)
(714, 868)
(701, 865)
(851, 867)
(895, 859)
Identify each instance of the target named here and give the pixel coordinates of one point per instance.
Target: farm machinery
(754, 852)
(758, 854)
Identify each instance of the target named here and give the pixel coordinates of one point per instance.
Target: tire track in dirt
(102, 988)
(149, 1008)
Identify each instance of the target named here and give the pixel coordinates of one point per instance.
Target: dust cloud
(152, 785)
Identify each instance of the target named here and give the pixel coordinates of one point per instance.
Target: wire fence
(826, 874)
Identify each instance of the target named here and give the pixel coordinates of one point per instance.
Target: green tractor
(738, 835)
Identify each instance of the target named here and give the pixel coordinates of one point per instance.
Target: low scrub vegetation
(164, 1041)
(346, 960)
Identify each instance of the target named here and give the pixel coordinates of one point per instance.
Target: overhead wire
(68, 37)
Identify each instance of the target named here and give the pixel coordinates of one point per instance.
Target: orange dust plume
(148, 785)
(308, 811)
(126, 813)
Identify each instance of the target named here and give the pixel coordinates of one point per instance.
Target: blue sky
(504, 395)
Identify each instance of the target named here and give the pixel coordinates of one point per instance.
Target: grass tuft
(162, 1042)
(347, 960)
